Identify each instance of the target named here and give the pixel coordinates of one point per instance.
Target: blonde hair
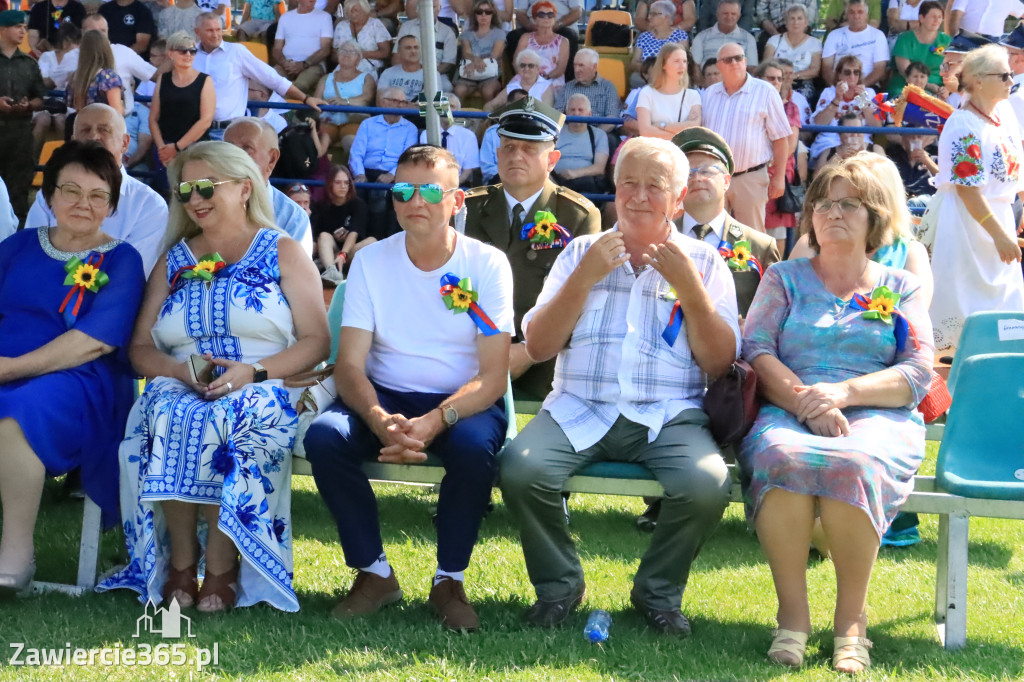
(980, 61)
(227, 162)
(94, 55)
(666, 51)
(181, 40)
(889, 175)
(882, 196)
(648, 148)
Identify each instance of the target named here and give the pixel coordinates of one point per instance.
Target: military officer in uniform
(497, 214)
(704, 218)
(704, 215)
(21, 94)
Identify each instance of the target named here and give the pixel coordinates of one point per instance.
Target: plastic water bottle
(596, 629)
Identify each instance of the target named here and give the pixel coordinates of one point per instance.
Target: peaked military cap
(965, 41)
(529, 119)
(705, 141)
(1015, 39)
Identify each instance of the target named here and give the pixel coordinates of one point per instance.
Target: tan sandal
(790, 642)
(853, 649)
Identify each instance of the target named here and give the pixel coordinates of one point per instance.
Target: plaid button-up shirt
(617, 361)
(604, 98)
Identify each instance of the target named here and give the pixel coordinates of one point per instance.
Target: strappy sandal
(790, 642)
(223, 586)
(851, 649)
(183, 581)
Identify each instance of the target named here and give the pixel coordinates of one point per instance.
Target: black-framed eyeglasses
(735, 59)
(72, 193)
(186, 50)
(846, 205)
(204, 186)
(431, 192)
(1005, 76)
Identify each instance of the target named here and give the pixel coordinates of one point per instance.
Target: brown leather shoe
(369, 593)
(448, 600)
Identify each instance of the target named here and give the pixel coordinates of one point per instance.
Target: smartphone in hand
(201, 369)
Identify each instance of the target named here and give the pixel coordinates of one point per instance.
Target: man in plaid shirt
(638, 317)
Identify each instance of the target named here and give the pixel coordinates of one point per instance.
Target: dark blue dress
(74, 417)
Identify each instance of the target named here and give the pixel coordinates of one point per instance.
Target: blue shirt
(489, 153)
(291, 219)
(378, 144)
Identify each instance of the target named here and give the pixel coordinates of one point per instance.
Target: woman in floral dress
(216, 448)
(975, 255)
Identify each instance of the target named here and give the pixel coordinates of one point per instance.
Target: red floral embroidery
(974, 151)
(965, 169)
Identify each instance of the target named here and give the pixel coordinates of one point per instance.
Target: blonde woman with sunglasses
(183, 102)
(232, 308)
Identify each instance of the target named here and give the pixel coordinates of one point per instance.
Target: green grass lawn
(729, 599)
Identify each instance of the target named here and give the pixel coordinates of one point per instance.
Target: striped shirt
(750, 119)
(616, 361)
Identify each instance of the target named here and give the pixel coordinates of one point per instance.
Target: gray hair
(206, 16)
(349, 4)
(350, 43)
(645, 148)
(227, 162)
(792, 9)
(181, 40)
(527, 53)
(267, 131)
(718, 55)
(980, 61)
(665, 6)
(578, 97)
(592, 56)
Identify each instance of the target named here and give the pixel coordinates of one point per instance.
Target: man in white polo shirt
(857, 38)
(230, 65)
(303, 44)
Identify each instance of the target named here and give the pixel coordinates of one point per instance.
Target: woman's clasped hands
(819, 408)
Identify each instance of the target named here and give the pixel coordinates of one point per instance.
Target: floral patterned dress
(820, 337)
(234, 452)
(969, 277)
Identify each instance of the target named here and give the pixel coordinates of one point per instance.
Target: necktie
(701, 231)
(517, 220)
(444, 139)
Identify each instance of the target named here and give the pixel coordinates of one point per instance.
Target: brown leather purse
(732, 403)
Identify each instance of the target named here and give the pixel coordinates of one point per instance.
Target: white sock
(380, 567)
(457, 575)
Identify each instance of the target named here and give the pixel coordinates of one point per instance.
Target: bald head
(258, 139)
(101, 123)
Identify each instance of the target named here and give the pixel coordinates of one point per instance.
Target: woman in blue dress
(68, 299)
(206, 458)
(842, 348)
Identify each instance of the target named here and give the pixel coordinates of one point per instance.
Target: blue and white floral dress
(234, 452)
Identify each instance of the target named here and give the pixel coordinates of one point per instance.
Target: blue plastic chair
(980, 336)
(982, 451)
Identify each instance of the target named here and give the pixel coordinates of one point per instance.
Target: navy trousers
(338, 442)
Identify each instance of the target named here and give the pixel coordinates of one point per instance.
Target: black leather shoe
(548, 614)
(669, 622)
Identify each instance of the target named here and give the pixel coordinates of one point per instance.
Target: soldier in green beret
(21, 94)
(529, 217)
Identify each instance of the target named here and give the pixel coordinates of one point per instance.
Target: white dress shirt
(617, 362)
(229, 65)
(527, 204)
(8, 221)
(140, 219)
(712, 238)
(462, 144)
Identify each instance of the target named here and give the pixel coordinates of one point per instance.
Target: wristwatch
(259, 373)
(449, 415)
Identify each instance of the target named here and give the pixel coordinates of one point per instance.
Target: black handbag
(610, 34)
(732, 403)
(788, 202)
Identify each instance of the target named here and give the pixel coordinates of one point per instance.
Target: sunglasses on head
(432, 193)
(204, 186)
(186, 50)
(292, 189)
